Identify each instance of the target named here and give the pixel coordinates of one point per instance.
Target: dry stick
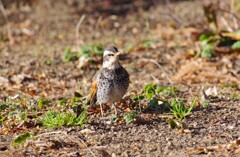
(174, 17)
(69, 137)
(72, 139)
(154, 78)
(227, 11)
(3, 11)
(87, 148)
(98, 22)
(232, 6)
(235, 22)
(9, 32)
(228, 27)
(172, 14)
(234, 17)
(156, 63)
(77, 30)
(49, 133)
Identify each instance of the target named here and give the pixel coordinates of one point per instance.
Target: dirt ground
(31, 67)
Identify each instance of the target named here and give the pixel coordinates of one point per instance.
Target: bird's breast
(112, 85)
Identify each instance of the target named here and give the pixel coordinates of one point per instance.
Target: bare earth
(32, 68)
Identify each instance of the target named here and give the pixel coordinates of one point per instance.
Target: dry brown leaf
(232, 35)
(197, 71)
(104, 153)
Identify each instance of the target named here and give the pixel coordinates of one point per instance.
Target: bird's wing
(93, 93)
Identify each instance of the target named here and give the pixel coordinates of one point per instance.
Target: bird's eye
(110, 55)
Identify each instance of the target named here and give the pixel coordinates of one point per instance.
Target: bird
(111, 82)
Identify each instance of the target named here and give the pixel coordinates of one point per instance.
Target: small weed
(115, 119)
(57, 119)
(130, 116)
(75, 101)
(51, 61)
(85, 51)
(64, 113)
(154, 96)
(150, 90)
(147, 25)
(167, 90)
(3, 106)
(235, 96)
(162, 91)
(42, 102)
(179, 109)
(88, 51)
(208, 43)
(68, 55)
(15, 110)
(157, 98)
(138, 97)
(129, 47)
(149, 43)
(63, 102)
(234, 85)
(153, 103)
(22, 138)
(205, 103)
(236, 45)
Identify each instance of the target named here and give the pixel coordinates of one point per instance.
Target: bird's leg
(101, 109)
(115, 109)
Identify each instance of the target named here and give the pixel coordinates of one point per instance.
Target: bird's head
(111, 57)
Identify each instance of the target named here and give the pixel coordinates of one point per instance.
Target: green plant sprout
(179, 109)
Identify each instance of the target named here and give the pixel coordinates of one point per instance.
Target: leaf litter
(45, 73)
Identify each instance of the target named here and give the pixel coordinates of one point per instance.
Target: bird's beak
(117, 54)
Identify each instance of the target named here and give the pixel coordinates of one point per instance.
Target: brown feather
(93, 93)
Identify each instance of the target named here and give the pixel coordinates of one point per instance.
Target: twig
(4, 13)
(99, 147)
(156, 63)
(235, 22)
(154, 78)
(106, 118)
(232, 6)
(98, 22)
(21, 124)
(54, 132)
(47, 133)
(87, 148)
(227, 11)
(174, 17)
(74, 140)
(224, 21)
(234, 17)
(172, 14)
(77, 30)
(67, 136)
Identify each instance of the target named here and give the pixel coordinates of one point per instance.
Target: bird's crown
(112, 49)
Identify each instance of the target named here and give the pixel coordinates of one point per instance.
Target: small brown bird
(111, 82)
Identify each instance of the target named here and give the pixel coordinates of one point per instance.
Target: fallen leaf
(211, 91)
